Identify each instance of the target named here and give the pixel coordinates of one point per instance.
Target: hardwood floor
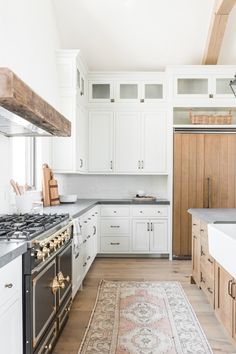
(140, 269)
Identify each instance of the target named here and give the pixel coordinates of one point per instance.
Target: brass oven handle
(61, 278)
(55, 285)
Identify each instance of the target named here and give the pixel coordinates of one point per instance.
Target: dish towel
(77, 235)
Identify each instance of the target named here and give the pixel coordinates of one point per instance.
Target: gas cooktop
(28, 226)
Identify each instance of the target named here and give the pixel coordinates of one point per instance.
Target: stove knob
(46, 251)
(56, 242)
(40, 255)
(52, 246)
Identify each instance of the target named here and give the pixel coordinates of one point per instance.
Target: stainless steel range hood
(24, 113)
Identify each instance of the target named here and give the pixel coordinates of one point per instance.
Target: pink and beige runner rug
(143, 318)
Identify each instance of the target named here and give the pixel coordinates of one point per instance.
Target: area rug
(143, 318)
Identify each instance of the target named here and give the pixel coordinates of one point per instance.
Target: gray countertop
(214, 216)
(10, 250)
(83, 205)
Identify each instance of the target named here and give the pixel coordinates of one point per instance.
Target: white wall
(91, 186)
(29, 38)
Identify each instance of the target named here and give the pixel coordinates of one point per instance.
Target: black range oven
(47, 273)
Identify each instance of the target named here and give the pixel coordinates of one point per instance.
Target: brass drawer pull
(115, 226)
(209, 260)
(9, 286)
(115, 243)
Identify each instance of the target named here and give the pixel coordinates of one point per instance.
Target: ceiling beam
(217, 31)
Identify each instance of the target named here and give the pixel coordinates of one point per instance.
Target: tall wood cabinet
(204, 177)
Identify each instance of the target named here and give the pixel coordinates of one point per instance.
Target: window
(23, 160)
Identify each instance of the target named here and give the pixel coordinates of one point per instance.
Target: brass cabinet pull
(230, 282)
(209, 260)
(115, 226)
(9, 286)
(202, 252)
(115, 243)
(208, 192)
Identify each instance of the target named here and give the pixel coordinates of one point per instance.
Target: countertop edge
(10, 255)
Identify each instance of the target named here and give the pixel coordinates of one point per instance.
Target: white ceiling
(140, 34)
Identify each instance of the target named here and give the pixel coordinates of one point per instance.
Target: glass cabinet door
(101, 92)
(153, 91)
(222, 88)
(191, 86)
(128, 91)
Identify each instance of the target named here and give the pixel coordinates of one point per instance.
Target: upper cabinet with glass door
(101, 91)
(203, 84)
(128, 91)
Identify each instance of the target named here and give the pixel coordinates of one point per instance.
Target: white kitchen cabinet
(154, 154)
(140, 238)
(101, 142)
(11, 307)
(70, 154)
(158, 236)
(150, 236)
(81, 140)
(127, 142)
(101, 91)
(152, 91)
(141, 142)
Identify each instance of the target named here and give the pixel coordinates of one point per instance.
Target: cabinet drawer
(115, 210)
(115, 226)
(10, 280)
(114, 244)
(148, 211)
(207, 285)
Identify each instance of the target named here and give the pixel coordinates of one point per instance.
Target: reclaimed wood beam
(217, 31)
(20, 99)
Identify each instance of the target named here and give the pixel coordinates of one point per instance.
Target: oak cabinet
(196, 246)
(204, 177)
(224, 297)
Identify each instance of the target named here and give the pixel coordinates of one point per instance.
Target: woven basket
(210, 118)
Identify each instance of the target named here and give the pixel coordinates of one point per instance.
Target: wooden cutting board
(46, 178)
(53, 191)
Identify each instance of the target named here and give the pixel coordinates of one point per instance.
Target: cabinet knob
(112, 100)
(9, 286)
(211, 95)
(142, 100)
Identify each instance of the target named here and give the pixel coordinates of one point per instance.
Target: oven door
(44, 293)
(65, 272)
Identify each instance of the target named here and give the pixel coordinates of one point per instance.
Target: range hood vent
(24, 113)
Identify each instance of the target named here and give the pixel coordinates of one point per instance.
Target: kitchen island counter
(214, 216)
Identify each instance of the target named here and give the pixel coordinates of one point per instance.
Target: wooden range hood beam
(217, 31)
(20, 99)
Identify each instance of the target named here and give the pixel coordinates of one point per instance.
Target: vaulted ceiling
(140, 34)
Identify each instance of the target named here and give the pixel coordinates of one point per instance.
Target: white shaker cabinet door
(140, 237)
(158, 236)
(128, 142)
(101, 142)
(82, 141)
(155, 141)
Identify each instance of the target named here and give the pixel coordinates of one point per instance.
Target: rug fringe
(91, 316)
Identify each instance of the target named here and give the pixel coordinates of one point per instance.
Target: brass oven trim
(59, 267)
(54, 329)
(36, 339)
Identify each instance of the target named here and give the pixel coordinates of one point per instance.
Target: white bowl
(69, 198)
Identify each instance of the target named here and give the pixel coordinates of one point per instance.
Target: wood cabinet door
(224, 303)
(141, 235)
(128, 142)
(188, 188)
(196, 249)
(154, 131)
(101, 142)
(220, 170)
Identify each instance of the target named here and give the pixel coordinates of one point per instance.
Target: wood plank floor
(139, 269)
